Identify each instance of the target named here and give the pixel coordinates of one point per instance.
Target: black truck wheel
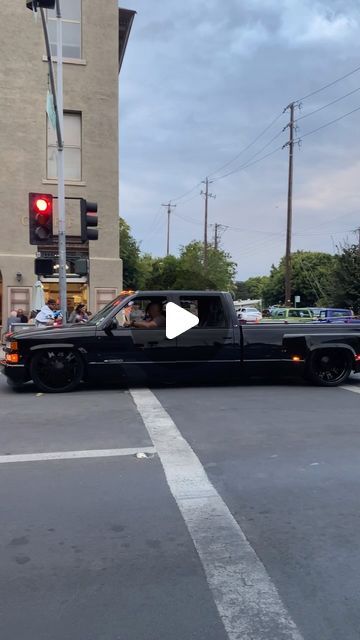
(329, 367)
(56, 371)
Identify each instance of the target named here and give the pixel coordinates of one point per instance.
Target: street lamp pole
(59, 113)
(61, 174)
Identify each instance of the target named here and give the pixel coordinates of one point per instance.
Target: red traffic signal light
(40, 217)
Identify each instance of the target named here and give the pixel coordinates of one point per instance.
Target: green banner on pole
(50, 109)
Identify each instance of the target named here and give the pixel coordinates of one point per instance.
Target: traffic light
(81, 266)
(89, 220)
(44, 4)
(44, 266)
(40, 218)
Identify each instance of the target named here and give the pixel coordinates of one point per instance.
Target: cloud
(309, 23)
(200, 80)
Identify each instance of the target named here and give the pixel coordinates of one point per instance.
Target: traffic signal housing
(40, 218)
(44, 4)
(44, 266)
(89, 220)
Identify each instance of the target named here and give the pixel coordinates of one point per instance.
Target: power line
(327, 86)
(249, 164)
(249, 161)
(189, 199)
(327, 124)
(251, 144)
(186, 219)
(186, 192)
(329, 104)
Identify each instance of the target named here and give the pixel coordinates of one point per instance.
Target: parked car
(217, 348)
(296, 314)
(249, 314)
(316, 311)
(333, 315)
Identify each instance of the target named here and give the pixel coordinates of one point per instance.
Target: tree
(185, 272)
(130, 255)
(241, 291)
(256, 286)
(345, 290)
(158, 273)
(219, 274)
(310, 278)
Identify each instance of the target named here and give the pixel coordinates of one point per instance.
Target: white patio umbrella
(38, 297)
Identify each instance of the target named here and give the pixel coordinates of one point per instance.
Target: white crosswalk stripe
(245, 596)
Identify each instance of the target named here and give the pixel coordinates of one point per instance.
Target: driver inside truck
(154, 318)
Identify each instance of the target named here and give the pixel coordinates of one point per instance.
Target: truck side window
(208, 309)
(137, 310)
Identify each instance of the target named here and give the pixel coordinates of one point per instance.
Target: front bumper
(17, 373)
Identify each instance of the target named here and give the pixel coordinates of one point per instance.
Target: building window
(72, 148)
(71, 23)
(19, 298)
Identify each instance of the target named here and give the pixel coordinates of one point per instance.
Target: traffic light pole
(61, 178)
(59, 112)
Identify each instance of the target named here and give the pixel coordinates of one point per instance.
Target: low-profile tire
(329, 367)
(56, 370)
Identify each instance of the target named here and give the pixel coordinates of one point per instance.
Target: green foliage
(256, 286)
(143, 271)
(130, 255)
(187, 271)
(345, 288)
(311, 279)
(192, 274)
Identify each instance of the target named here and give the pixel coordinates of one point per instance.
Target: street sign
(297, 299)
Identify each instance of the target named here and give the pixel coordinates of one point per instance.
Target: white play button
(178, 320)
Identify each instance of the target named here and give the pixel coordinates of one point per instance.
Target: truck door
(137, 352)
(213, 346)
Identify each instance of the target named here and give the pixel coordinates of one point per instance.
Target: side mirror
(113, 324)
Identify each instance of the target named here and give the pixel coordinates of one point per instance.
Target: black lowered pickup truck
(110, 347)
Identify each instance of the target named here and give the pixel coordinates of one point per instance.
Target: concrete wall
(90, 87)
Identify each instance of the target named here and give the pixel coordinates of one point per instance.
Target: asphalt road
(240, 522)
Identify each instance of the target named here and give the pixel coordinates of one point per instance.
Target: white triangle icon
(178, 320)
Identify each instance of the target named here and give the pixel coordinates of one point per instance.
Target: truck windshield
(104, 312)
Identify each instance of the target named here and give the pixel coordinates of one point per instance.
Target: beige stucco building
(95, 36)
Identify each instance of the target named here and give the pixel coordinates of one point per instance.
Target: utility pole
(289, 144)
(218, 228)
(207, 195)
(216, 240)
(169, 206)
(357, 231)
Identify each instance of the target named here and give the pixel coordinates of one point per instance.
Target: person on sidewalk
(46, 315)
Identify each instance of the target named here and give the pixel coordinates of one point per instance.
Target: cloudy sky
(200, 81)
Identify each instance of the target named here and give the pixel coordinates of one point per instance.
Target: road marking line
(348, 387)
(72, 455)
(245, 596)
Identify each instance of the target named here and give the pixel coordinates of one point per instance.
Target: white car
(249, 314)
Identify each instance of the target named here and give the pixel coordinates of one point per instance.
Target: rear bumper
(17, 373)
